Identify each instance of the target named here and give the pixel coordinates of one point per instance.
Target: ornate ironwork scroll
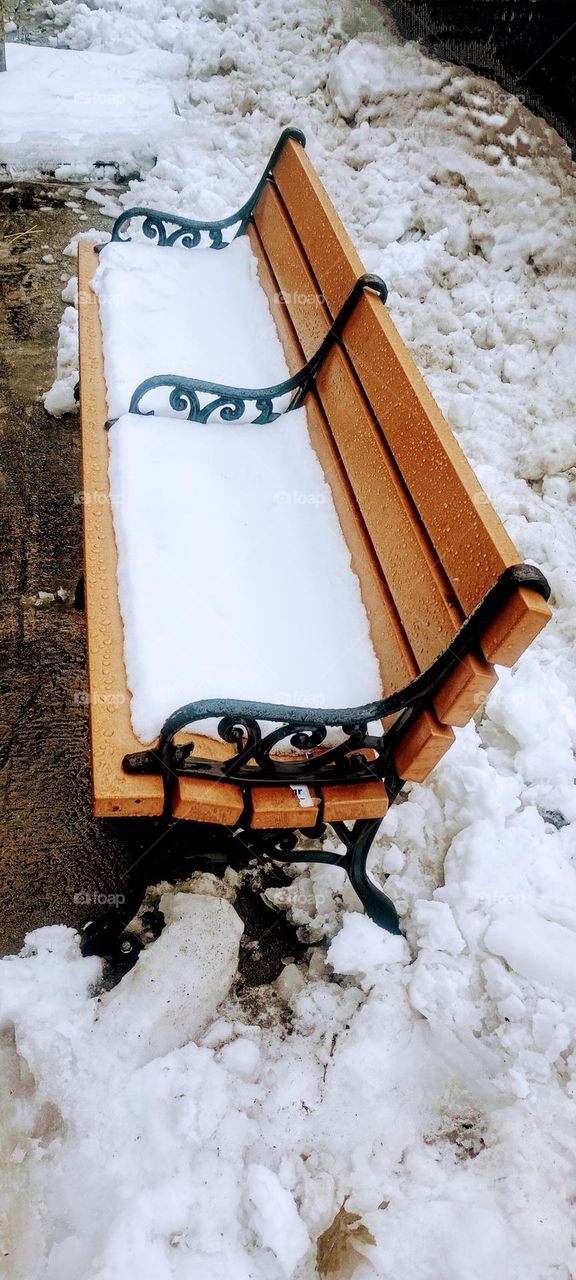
(190, 233)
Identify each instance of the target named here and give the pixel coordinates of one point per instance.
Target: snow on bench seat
(234, 576)
(198, 312)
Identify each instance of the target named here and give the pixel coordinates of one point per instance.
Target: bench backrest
(425, 541)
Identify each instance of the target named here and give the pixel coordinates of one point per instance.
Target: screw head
(126, 946)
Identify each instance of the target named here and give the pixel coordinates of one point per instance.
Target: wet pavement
(59, 864)
(52, 849)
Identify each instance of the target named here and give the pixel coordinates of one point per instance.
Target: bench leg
(107, 935)
(359, 841)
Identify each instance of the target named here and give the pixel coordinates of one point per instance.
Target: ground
(52, 848)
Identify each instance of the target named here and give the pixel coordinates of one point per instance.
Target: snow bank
(369, 72)
(66, 112)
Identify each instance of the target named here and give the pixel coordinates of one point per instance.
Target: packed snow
(73, 112)
(227, 536)
(414, 1098)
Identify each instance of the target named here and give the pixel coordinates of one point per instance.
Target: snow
(197, 957)
(71, 111)
(433, 1094)
(376, 74)
(260, 545)
(275, 1217)
(199, 312)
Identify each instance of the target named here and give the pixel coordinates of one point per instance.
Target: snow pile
(377, 73)
(66, 112)
(236, 1141)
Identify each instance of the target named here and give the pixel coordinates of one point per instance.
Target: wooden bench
(441, 581)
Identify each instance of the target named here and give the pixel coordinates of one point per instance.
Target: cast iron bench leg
(359, 842)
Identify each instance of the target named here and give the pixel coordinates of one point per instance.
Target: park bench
(441, 581)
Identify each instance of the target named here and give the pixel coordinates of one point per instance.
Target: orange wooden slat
(468, 536)
(115, 793)
(200, 801)
(463, 527)
(286, 332)
(295, 281)
(465, 690)
(515, 627)
(421, 593)
(111, 736)
(347, 804)
(422, 746)
(280, 807)
(328, 248)
(460, 699)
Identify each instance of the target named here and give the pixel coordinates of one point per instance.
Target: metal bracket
(229, 403)
(190, 233)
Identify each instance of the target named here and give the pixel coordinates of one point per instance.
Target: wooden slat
(294, 279)
(286, 331)
(111, 735)
(217, 802)
(464, 690)
(422, 747)
(516, 626)
(460, 699)
(462, 525)
(327, 245)
(395, 658)
(421, 593)
(347, 804)
(280, 807)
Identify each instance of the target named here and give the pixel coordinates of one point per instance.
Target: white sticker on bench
(303, 797)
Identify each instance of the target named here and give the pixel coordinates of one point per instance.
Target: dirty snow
(434, 1095)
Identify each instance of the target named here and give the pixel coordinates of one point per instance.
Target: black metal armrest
(197, 401)
(256, 761)
(189, 233)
